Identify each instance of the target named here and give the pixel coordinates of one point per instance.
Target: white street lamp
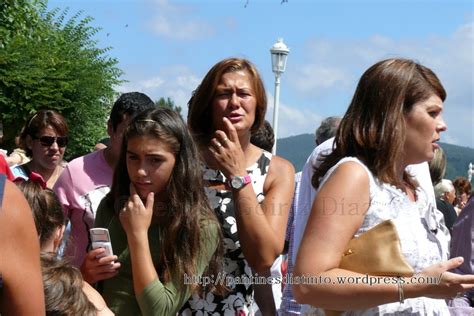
(470, 171)
(279, 53)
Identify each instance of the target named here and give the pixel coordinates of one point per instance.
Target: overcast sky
(166, 47)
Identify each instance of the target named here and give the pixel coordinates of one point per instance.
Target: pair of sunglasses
(48, 141)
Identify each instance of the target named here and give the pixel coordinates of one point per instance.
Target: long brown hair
(200, 104)
(188, 206)
(373, 128)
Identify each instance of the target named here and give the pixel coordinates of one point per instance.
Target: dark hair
(264, 137)
(130, 104)
(437, 166)
(327, 129)
(46, 208)
(200, 104)
(63, 292)
(39, 121)
(373, 128)
(188, 206)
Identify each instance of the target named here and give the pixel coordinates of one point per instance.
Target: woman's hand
(96, 268)
(448, 285)
(136, 217)
(226, 151)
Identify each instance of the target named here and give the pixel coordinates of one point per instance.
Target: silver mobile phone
(101, 239)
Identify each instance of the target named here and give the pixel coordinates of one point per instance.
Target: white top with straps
(417, 227)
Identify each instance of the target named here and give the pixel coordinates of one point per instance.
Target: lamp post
(470, 171)
(279, 52)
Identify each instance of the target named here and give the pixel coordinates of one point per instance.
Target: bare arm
(19, 253)
(263, 226)
(329, 229)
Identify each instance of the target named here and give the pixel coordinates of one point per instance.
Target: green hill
(297, 149)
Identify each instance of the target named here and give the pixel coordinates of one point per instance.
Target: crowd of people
(198, 211)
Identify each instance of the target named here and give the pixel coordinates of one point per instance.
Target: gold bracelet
(401, 295)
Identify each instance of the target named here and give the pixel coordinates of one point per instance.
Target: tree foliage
(168, 103)
(48, 61)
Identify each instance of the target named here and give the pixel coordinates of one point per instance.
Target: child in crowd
(161, 226)
(63, 290)
(50, 223)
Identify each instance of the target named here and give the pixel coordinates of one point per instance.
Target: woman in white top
(394, 120)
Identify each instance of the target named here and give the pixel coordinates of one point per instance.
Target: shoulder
(281, 165)
(105, 211)
(93, 296)
(209, 226)
(348, 173)
(79, 162)
(280, 172)
(106, 204)
(14, 209)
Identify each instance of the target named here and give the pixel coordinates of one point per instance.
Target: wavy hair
(374, 127)
(187, 208)
(63, 288)
(200, 104)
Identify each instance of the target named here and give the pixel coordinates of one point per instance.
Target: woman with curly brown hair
(463, 191)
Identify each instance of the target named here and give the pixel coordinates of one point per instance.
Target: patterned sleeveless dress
(237, 271)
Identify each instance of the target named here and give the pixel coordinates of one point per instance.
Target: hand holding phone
(101, 239)
(99, 265)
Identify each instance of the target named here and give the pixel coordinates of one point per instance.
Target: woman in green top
(161, 226)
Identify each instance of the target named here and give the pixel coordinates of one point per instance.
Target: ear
(58, 237)
(29, 142)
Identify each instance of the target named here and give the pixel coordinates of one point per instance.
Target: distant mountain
(297, 149)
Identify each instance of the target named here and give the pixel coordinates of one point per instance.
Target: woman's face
(46, 152)
(461, 199)
(150, 163)
(234, 99)
(424, 124)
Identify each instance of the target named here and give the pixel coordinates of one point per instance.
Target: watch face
(237, 182)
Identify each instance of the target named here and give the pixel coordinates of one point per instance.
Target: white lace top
(417, 228)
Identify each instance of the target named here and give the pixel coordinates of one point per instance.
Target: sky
(166, 47)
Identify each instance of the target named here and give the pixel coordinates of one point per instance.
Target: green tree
(48, 61)
(168, 103)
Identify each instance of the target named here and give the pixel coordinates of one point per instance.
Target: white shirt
(307, 195)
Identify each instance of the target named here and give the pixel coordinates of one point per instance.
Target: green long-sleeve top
(157, 298)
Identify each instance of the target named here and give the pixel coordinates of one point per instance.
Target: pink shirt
(80, 188)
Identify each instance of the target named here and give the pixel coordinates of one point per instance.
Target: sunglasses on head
(48, 141)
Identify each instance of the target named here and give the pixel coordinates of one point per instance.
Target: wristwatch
(239, 182)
